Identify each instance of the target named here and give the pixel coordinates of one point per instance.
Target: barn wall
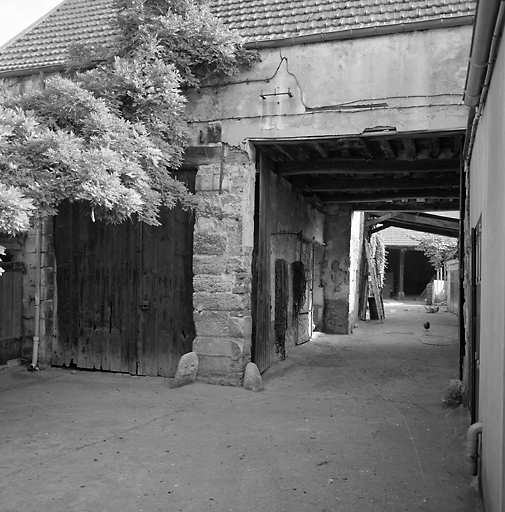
(487, 190)
(343, 87)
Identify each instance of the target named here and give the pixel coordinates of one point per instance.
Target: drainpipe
(472, 446)
(38, 264)
(480, 58)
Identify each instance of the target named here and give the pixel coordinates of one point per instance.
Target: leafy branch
(113, 129)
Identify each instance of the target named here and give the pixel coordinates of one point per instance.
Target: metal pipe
(38, 272)
(487, 11)
(472, 446)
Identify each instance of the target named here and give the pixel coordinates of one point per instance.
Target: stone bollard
(186, 370)
(252, 378)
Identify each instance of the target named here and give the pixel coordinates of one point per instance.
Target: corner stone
(186, 370)
(252, 378)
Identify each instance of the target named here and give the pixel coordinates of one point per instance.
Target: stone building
(350, 109)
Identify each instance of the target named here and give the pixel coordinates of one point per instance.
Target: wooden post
(401, 280)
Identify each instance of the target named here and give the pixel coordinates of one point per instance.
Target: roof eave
(32, 71)
(413, 26)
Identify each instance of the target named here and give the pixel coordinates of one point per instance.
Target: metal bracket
(275, 93)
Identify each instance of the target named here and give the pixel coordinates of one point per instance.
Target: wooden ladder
(373, 279)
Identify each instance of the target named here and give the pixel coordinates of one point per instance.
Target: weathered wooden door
(11, 311)
(124, 292)
(262, 336)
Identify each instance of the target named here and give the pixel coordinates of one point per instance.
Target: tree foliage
(438, 249)
(184, 33)
(111, 131)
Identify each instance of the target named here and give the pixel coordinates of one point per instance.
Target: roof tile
(45, 44)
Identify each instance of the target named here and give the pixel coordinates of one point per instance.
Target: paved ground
(346, 424)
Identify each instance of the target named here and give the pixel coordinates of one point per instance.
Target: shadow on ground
(346, 423)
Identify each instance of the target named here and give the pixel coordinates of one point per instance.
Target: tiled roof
(260, 22)
(263, 20)
(45, 43)
(400, 237)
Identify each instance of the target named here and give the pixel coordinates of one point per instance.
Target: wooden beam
(362, 166)
(328, 184)
(389, 135)
(361, 144)
(387, 150)
(410, 148)
(284, 151)
(426, 219)
(322, 151)
(407, 206)
(425, 228)
(387, 195)
(382, 218)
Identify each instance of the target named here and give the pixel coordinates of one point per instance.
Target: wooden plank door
(262, 335)
(174, 289)
(124, 291)
(97, 286)
(11, 311)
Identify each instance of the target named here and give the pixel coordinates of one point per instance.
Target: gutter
(472, 447)
(363, 32)
(485, 44)
(480, 53)
(38, 270)
(56, 68)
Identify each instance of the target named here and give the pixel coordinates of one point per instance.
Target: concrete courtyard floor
(346, 423)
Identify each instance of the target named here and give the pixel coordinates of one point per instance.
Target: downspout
(472, 446)
(38, 264)
(487, 11)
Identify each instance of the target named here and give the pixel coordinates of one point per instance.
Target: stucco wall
(356, 252)
(335, 270)
(487, 193)
(411, 81)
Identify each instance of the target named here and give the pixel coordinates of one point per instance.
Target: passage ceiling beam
(364, 184)
(362, 166)
(383, 195)
(408, 206)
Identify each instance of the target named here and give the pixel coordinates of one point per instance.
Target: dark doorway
(418, 272)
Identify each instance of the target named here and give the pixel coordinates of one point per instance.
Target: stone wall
(223, 243)
(47, 292)
(335, 275)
